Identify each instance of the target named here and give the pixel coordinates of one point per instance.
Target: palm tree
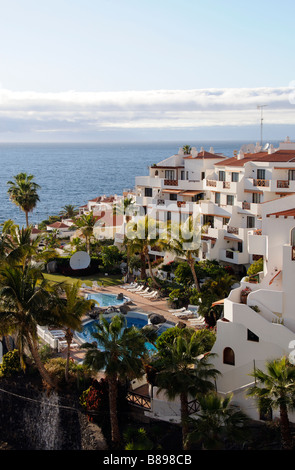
(24, 304)
(183, 372)
(187, 149)
(69, 309)
(184, 240)
(275, 389)
(86, 223)
(215, 421)
(120, 352)
(68, 211)
(124, 208)
(141, 237)
(23, 193)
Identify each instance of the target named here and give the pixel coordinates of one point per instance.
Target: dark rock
(155, 318)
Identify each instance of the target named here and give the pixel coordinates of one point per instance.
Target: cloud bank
(93, 112)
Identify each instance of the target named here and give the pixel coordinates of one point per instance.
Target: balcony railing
(181, 203)
(171, 182)
(246, 205)
(234, 230)
(160, 202)
(226, 184)
(139, 400)
(211, 183)
(262, 183)
(229, 254)
(282, 184)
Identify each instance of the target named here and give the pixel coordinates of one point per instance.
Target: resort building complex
(227, 192)
(247, 209)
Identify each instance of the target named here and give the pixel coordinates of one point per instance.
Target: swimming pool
(137, 319)
(106, 300)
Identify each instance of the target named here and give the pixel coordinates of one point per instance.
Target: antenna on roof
(261, 106)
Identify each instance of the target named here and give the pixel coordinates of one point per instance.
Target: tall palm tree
(141, 237)
(187, 149)
(181, 372)
(217, 420)
(69, 211)
(120, 353)
(124, 208)
(86, 223)
(184, 240)
(23, 193)
(275, 389)
(69, 309)
(24, 304)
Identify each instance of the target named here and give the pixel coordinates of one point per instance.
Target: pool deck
(139, 304)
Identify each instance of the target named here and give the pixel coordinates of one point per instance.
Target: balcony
(211, 183)
(170, 182)
(283, 184)
(261, 183)
(246, 205)
(234, 230)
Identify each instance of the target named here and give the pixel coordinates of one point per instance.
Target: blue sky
(73, 69)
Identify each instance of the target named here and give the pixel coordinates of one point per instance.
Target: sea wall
(31, 419)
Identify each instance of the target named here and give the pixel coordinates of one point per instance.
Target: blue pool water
(106, 300)
(139, 322)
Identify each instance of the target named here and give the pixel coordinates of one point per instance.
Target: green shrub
(255, 267)
(10, 364)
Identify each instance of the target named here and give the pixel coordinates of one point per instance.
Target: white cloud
(74, 111)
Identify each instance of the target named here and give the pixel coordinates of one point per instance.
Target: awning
(174, 191)
(191, 193)
(253, 191)
(218, 302)
(233, 239)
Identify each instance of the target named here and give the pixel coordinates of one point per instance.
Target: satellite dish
(266, 146)
(80, 260)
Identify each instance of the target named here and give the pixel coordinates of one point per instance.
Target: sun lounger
(141, 292)
(137, 289)
(151, 295)
(148, 294)
(177, 310)
(133, 285)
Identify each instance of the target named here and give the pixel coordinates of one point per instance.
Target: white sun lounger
(144, 292)
(133, 285)
(137, 289)
(177, 310)
(150, 295)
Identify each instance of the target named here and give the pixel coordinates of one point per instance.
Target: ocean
(75, 173)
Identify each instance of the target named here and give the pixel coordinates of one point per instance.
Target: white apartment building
(257, 328)
(263, 328)
(228, 191)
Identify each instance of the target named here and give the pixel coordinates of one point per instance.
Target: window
(235, 177)
(202, 175)
(217, 198)
(148, 192)
(252, 336)
(168, 217)
(291, 175)
(260, 174)
(228, 356)
(230, 200)
(221, 176)
(256, 198)
(169, 174)
(250, 222)
(173, 197)
(182, 175)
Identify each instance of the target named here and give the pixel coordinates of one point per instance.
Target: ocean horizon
(73, 173)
